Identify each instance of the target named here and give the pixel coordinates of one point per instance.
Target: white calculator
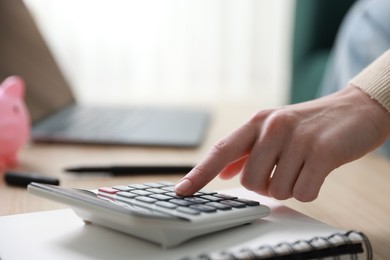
(154, 212)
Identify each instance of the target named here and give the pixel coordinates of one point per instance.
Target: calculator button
(155, 190)
(166, 204)
(211, 198)
(219, 206)
(181, 202)
(196, 199)
(141, 192)
(138, 186)
(122, 188)
(173, 194)
(126, 194)
(154, 184)
(225, 196)
(160, 197)
(234, 204)
(146, 199)
(206, 192)
(188, 211)
(203, 208)
(248, 202)
(169, 188)
(108, 190)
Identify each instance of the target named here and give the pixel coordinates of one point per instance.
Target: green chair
(315, 27)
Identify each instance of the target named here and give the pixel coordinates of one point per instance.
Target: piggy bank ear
(13, 86)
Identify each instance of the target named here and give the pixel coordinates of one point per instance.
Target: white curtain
(170, 51)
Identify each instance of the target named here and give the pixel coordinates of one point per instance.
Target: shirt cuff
(375, 80)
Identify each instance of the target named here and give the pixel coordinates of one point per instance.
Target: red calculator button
(108, 190)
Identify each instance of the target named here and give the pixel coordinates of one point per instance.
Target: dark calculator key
(160, 197)
(139, 186)
(141, 192)
(173, 194)
(188, 211)
(127, 195)
(206, 192)
(181, 202)
(211, 198)
(146, 199)
(196, 199)
(248, 202)
(234, 204)
(225, 196)
(122, 188)
(168, 188)
(219, 206)
(166, 204)
(203, 208)
(157, 191)
(154, 184)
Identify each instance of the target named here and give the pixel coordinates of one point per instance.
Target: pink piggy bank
(14, 121)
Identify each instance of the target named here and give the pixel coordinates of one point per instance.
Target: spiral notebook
(285, 234)
(348, 245)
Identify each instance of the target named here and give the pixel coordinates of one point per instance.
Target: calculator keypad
(161, 195)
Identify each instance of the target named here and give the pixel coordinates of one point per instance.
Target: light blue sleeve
(364, 35)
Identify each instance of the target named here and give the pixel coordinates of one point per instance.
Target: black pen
(23, 179)
(132, 170)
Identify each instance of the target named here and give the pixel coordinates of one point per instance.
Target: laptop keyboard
(98, 120)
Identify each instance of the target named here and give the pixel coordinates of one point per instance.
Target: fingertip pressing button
(183, 186)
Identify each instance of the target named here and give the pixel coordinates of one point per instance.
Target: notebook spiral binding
(349, 244)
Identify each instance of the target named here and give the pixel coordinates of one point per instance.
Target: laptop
(55, 114)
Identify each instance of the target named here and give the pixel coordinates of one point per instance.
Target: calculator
(154, 212)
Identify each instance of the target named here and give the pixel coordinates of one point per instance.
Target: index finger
(227, 150)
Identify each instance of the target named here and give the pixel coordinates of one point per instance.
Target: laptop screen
(23, 52)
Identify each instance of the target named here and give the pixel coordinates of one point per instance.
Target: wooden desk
(355, 196)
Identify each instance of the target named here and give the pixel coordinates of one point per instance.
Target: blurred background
(171, 51)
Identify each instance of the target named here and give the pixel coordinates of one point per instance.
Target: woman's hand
(288, 152)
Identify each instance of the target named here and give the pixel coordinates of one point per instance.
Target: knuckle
(278, 192)
(260, 116)
(305, 193)
(198, 171)
(274, 122)
(254, 186)
(282, 117)
(250, 185)
(280, 121)
(322, 147)
(219, 146)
